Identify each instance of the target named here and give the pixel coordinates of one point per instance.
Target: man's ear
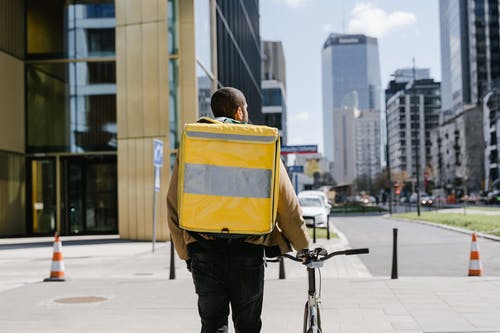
(238, 115)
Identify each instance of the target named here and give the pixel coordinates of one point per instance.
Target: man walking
(230, 271)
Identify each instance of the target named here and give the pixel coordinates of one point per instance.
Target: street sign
(303, 149)
(158, 153)
(296, 168)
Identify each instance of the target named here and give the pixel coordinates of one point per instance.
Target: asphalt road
(422, 250)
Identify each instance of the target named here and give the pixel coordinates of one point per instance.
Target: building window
(70, 95)
(101, 10)
(101, 42)
(272, 97)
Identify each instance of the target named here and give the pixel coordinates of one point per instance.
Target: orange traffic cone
(57, 266)
(475, 266)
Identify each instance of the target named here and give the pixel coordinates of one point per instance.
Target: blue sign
(296, 168)
(304, 149)
(158, 153)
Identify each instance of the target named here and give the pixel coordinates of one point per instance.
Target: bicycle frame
(311, 311)
(314, 260)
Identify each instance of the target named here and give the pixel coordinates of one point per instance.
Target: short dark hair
(226, 101)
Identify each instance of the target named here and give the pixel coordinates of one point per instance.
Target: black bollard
(172, 260)
(328, 227)
(314, 229)
(282, 275)
(394, 273)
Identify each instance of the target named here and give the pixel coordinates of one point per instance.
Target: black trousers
(228, 272)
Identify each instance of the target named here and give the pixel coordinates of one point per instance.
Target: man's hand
(303, 255)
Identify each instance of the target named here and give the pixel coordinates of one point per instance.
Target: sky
(405, 29)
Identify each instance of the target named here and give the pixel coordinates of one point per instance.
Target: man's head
(229, 102)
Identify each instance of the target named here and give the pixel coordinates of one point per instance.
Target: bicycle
(314, 259)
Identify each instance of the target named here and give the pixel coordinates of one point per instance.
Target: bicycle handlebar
(356, 251)
(314, 254)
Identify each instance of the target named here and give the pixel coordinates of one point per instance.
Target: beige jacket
(290, 226)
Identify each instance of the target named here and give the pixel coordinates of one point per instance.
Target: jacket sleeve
(177, 234)
(289, 217)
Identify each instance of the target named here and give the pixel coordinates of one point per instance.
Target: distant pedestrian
(230, 271)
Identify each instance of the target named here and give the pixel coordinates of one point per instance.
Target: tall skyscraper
(238, 51)
(470, 62)
(470, 51)
(351, 81)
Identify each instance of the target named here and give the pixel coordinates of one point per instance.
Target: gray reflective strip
(236, 137)
(227, 181)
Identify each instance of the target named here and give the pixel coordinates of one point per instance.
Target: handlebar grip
(356, 251)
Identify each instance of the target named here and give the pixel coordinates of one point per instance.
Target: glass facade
(354, 69)
(274, 107)
(70, 80)
(70, 76)
(204, 71)
(173, 72)
(238, 51)
(470, 51)
(90, 192)
(272, 97)
(454, 57)
(351, 80)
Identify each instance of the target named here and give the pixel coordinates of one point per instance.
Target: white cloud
(328, 27)
(299, 117)
(372, 21)
(293, 3)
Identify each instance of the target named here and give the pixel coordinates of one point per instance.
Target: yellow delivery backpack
(228, 178)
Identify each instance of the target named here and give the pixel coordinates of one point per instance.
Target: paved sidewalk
(121, 286)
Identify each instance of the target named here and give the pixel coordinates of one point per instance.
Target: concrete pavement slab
(149, 304)
(121, 286)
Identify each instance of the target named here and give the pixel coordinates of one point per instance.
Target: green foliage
(356, 209)
(321, 233)
(476, 222)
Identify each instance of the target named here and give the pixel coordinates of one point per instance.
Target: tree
(363, 183)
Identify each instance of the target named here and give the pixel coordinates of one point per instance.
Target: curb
(447, 227)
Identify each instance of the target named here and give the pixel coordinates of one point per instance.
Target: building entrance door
(90, 201)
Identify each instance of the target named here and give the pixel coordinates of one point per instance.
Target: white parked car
(320, 194)
(313, 207)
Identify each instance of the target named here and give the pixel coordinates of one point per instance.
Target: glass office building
(239, 51)
(470, 64)
(350, 80)
(71, 129)
(86, 87)
(470, 51)
(228, 52)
